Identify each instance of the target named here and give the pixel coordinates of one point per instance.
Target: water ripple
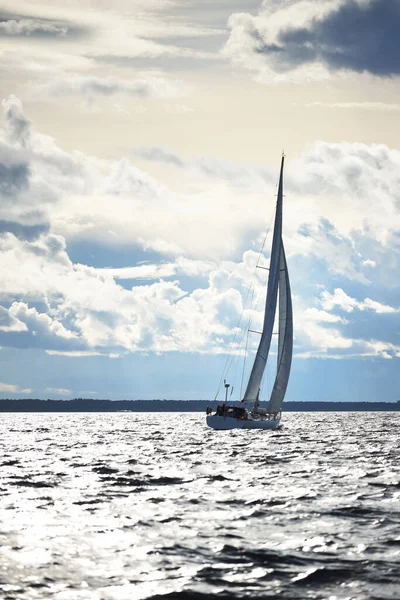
(124, 506)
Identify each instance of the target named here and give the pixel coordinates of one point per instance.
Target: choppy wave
(125, 506)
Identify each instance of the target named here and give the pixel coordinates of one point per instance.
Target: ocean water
(123, 506)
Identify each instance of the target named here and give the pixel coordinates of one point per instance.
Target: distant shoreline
(91, 405)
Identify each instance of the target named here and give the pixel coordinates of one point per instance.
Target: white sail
(260, 361)
(285, 342)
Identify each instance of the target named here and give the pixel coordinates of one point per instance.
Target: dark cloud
(354, 35)
(361, 38)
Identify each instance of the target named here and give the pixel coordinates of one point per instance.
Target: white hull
(217, 422)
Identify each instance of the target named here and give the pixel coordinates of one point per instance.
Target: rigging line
(238, 346)
(261, 292)
(231, 347)
(244, 360)
(265, 239)
(253, 306)
(230, 355)
(268, 378)
(258, 263)
(234, 375)
(225, 369)
(245, 328)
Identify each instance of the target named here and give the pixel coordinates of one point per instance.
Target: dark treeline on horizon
(92, 405)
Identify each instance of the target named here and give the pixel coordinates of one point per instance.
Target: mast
(260, 360)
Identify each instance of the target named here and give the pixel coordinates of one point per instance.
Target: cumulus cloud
(8, 321)
(340, 299)
(87, 311)
(359, 204)
(112, 201)
(311, 39)
(33, 329)
(35, 171)
(338, 195)
(331, 336)
(340, 209)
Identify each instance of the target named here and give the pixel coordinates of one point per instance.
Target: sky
(140, 145)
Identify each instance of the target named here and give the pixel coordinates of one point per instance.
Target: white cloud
(75, 353)
(369, 263)
(340, 202)
(39, 323)
(338, 196)
(59, 391)
(382, 349)
(353, 186)
(311, 332)
(321, 316)
(88, 312)
(13, 389)
(8, 321)
(378, 307)
(340, 299)
(328, 336)
(181, 265)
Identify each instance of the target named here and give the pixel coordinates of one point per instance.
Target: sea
(130, 506)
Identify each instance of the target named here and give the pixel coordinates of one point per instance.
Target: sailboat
(256, 416)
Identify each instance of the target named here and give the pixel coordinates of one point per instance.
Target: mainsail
(278, 279)
(285, 338)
